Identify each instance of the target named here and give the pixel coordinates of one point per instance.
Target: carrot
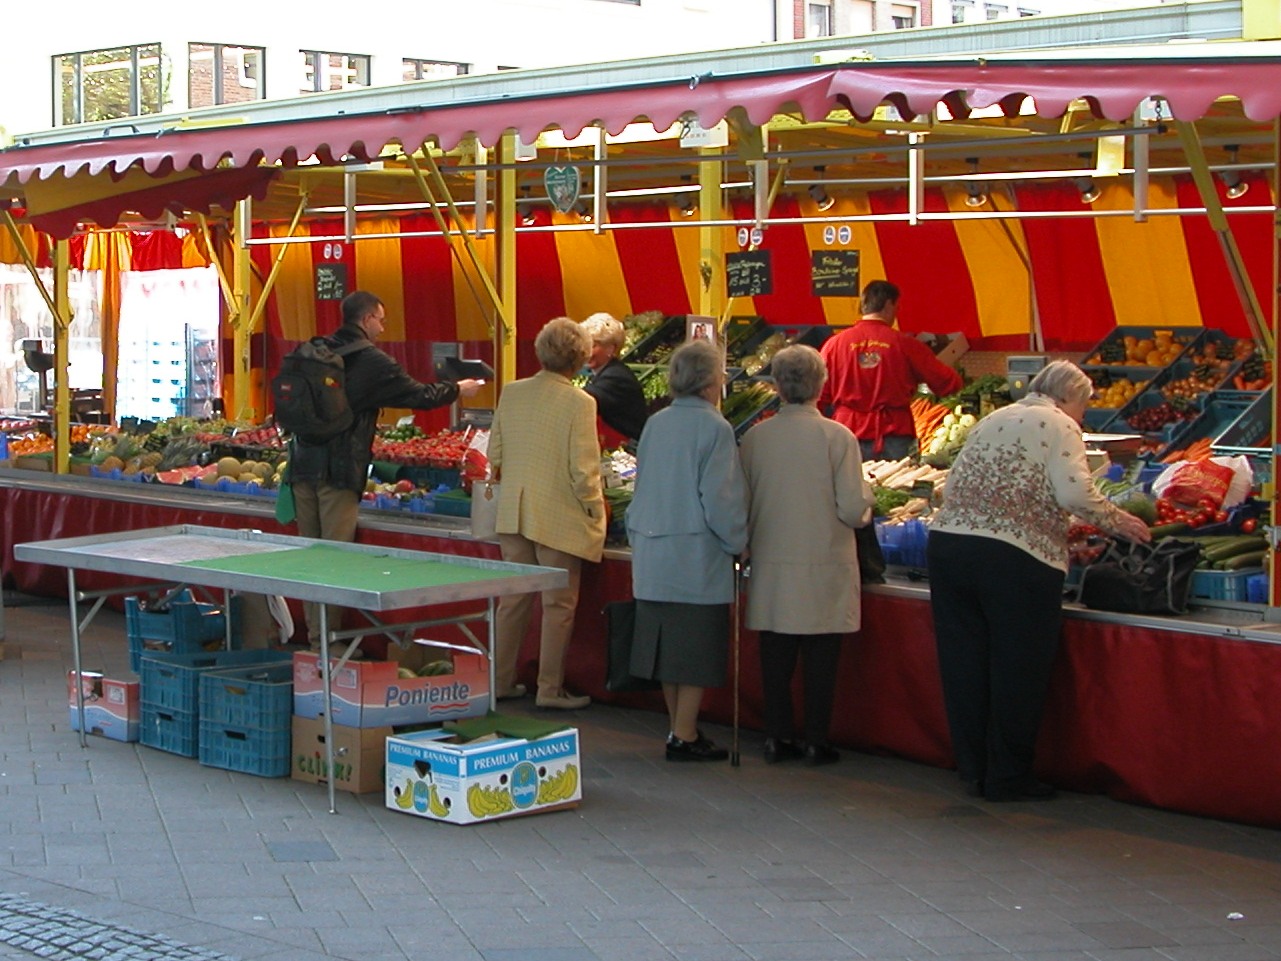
(1239, 381)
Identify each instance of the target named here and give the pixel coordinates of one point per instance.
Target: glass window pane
(241, 74)
(200, 75)
(151, 79)
(67, 108)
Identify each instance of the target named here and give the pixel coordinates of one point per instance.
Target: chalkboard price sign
(331, 281)
(748, 274)
(834, 273)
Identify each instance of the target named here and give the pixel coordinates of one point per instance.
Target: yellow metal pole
(505, 335)
(1204, 180)
(711, 240)
(267, 285)
(61, 341)
(775, 187)
(238, 310)
(228, 293)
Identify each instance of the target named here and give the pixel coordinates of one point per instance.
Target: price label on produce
(923, 489)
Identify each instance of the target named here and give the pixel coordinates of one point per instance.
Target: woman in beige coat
(551, 509)
(807, 494)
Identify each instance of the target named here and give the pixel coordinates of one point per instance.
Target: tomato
(1195, 521)
(1248, 525)
(1220, 516)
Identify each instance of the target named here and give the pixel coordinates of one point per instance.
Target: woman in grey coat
(686, 522)
(805, 478)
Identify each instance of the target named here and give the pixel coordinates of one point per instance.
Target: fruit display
(413, 448)
(759, 358)
(1159, 349)
(1113, 392)
(1152, 419)
(949, 436)
(1255, 372)
(636, 327)
(1202, 379)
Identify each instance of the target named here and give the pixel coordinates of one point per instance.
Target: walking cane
(733, 754)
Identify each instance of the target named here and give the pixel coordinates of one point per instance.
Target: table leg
(326, 678)
(492, 624)
(75, 653)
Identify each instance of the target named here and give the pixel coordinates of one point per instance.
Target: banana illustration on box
(405, 795)
(436, 806)
(485, 802)
(559, 787)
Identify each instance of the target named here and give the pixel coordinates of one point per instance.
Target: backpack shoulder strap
(353, 347)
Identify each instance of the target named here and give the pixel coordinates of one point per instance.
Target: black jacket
(374, 381)
(619, 398)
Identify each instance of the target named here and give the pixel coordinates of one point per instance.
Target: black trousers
(820, 654)
(997, 615)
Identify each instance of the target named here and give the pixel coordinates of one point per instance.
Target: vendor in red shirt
(872, 372)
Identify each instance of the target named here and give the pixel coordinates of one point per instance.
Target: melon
(228, 467)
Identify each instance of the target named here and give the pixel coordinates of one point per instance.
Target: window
(108, 84)
(961, 12)
(333, 71)
(1028, 12)
(818, 20)
(995, 11)
(223, 73)
(415, 69)
(903, 22)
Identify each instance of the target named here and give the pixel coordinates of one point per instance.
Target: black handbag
(871, 559)
(1133, 578)
(621, 616)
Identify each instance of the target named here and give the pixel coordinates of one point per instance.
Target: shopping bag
(621, 616)
(1132, 578)
(484, 510)
(285, 503)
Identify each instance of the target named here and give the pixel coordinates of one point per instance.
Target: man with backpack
(329, 476)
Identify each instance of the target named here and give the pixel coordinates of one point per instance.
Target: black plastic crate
(1184, 337)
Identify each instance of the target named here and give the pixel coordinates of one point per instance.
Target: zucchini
(1169, 530)
(1243, 544)
(1242, 561)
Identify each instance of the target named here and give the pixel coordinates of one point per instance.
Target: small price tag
(923, 489)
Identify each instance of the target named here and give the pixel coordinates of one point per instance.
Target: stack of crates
(246, 718)
(170, 694)
(184, 626)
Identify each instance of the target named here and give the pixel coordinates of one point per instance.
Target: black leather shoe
(816, 754)
(1028, 790)
(699, 750)
(973, 788)
(777, 749)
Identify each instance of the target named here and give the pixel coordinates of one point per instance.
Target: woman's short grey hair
(799, 373)
(693, 368)
(1063, 381)
(605, 329)
(562, 345)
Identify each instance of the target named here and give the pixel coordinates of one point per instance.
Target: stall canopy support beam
(506, 253)
(238, 309)
(711, 243)
(442, 188)
(1191, 141)
(61, 341)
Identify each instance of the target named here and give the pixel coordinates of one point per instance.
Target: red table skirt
(1177, 720)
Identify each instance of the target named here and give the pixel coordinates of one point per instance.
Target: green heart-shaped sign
(562, 184)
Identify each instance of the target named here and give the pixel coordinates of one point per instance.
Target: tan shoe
(563, 701)
(515, 691)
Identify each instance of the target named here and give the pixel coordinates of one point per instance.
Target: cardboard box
(359, 755)
(112, 709)
(371, 694)
(483, 780)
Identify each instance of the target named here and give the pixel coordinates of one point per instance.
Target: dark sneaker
(777, 749)
(816, 754)
(1027, 790)
(699, 750)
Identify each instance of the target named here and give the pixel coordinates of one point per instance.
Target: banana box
(112, 709)
(430, 777)
(374, 694)
(359, 753)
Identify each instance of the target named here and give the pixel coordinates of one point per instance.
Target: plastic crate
(669, 333)
(1221, 410)
(903, 545)
(1256, 588)
(172, 681)
(1254, 427)
(186, 627)
(1223, 585)
(266, 753)
(453, 504)
(260, 696)
(1098, 417)
(431, 478)
(177, 732)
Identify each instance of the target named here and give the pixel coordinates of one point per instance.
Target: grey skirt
(681, 643)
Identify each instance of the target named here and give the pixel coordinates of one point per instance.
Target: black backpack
(310, 392)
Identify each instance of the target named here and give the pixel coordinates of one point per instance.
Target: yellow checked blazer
(544, 450)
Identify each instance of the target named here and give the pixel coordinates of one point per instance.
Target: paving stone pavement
(121, 852)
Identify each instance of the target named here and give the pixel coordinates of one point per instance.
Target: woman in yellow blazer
(551, 510)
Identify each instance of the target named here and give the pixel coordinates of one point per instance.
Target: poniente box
(372, 694)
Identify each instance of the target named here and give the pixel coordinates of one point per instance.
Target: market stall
(996, 169)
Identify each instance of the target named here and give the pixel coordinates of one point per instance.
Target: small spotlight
(977, 196)
(584, 212)
(1234, 186)
(822, 199)
(1090, 191)
(687, 205)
